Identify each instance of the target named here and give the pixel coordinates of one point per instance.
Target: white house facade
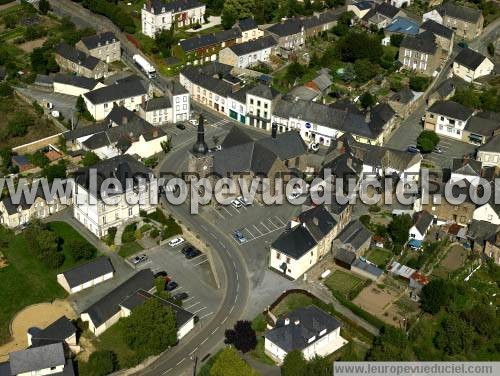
(488, 212)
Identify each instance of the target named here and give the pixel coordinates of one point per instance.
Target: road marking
(188, 299)
(260, 232)
(180, 361)
(217, 211)
(231, 310)
(208, 314)
(271, 222)
(191, 306)
(192, 352)
(203, 227)
(213, 332)
(205, 340)
(280, 220)
(223, 321)
(262, 223)
(167, 371)
(204, 261)
(246, 228)
(201, 309)
(227, 211)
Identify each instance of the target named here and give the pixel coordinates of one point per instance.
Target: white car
(176, 241)
(243, 201)
(194, 122)
(236, 204)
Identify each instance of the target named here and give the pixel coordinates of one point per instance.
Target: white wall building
(447, 118)
(488, 212)
(422, 223)
(157, 15)
(87, 275)
(250, 53)
(470, 65)
(75, 85)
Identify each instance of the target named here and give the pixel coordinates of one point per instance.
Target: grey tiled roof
(37, 358)
(246, 24)
(466, 167)
(157, 104)
(204, 41)
(295, 242)
(482, 125)
(451, 109)
(253, 45)
(354, 234)
(76, 56)
(286, 28)
(380, 115)
(88, 272)
(423, 42)
(109, 305)
(469, 58)
(305, 323)
(345, 256)
(369, 268)
(492, 145)
(460, 12)
(403, 96)
(98, 40)
(437, 29)
(422, 220)
(58, 331)
(78, 81)
(130, 87)
(318, 221)
(264, 91)
(175, 6)
(212, 84)
(140, 297)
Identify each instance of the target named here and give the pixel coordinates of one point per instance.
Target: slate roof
(253, 45)
(295, 242)
(37, 358)
(492, 145)
(264, 91)
(155, 104)
(469, 58)
(318, 221)
(404, 95)
(126, 88)
(384, 9)
(212, 84)
(5, 369)
(368, 268)
(109, 305)
(437, 29)
(100, 39)
(246, 24)
(460, 12)
(87, 272)
(402, 25)
(204, 41)
(78, 81)
(42, 79)
(121, 167)
(175, 6)
(305, 323)
(482, 125)
(76, 56)
(58, 331)
(480, 231)
(288, 27)
(423, 42)
(380, 115)
(140, 297)
(354, 234)
(451, 109)
(422, 221)
(466, 167)
(345, 256)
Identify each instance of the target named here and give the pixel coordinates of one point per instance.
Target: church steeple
(200, 147)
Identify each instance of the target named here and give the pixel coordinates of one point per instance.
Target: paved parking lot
(263, 228)
(194, 277)
(65, 104)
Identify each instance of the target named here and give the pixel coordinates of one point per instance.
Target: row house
(104, 46)
(290, 35)
(470, 65)
(249, 30)
(381, 15)
(173, 107)
(420, 53)
(444, 35)
(78, 62)
(250, 53)
(321, 22)
(157, 15)
(447, 118)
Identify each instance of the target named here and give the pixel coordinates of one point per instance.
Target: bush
(80, 249)
(419, 83)
(365, 220)
(128, 235)
(154, 233)
(5, 90)
(427, 141)
(102, 362)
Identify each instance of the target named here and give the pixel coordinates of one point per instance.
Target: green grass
(291, 302)
(129, 249)
(379, 257)
(259, 353)
(343, 282)
(24, 282)
(128, 235)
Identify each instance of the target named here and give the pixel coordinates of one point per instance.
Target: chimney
(465, 160)
(287, 321)
(316, 221)
(274, 130)
(297, 322)
(155, 133)
(294, 222)
(124, 120)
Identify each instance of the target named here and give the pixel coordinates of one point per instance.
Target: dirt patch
(32, 44)
(39, 315)
(3, 261)
(8, 5)
(380, 303)
(455, 258)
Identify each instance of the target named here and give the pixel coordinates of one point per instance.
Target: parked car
(180, 126)
(194, 122)
(236, 204)
(176, 241)
(238, 235)
(412, 149)
(180, 296)
(190, 252)
(244, 201)
(438, 150)
(138, 259)
(161, 273)
(172, 285)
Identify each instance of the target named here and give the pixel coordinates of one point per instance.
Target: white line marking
(192, 352)
(271, 222)
(231, 310)
(223, 321)
(260, 232)
(262, 223)
(227, 211)
(204, 261)
(205, 340)
(213, 332)
(188, 299)
(201, 309)
(246, 228)
(167, 371)
(191, 306)
(208, 314)
(181, 361)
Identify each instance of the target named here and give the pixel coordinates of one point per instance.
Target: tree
(454, 336)
(229, 15)
(55, 171)
(151, 328)
(242, 336)
(44, 6)
(80, 249)
(10, 21)
(5, 90)
(427, 141)
(81, 106)
(365, 70)
(367, 100)
(399, 229)
(419, 83)
(294, 364)
(19, 124)
(102, 362)
(436, 294)
(229, 363)
(164, 40)
(391, 345)
(358, 45)
(396, 39)
(166, 146)
(319, 366)
(39, 159)
(365, 220)
(89, 159)
(467, 97)
(294, 71)
(491, 49)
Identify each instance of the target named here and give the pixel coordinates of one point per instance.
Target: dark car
(412, 149)
(180, 296)
(190, 252)
(238, 235)
(172, 285)
(180, 126)
(162, 273)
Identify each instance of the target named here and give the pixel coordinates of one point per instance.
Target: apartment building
(420, 53)
(447, 118)
(466, 22)
(103, 46)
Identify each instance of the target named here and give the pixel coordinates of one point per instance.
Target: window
(251, 100)
(130, 212)
(288, 260)
(184, 99)
(104, 220)
(278, 255)
(105, 105)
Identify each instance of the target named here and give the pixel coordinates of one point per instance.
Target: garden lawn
(379, 257)
(129, 249)
(24, 282)
(292, 302)
(342, 282)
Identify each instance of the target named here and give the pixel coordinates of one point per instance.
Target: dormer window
(312, 339)
(323, 332)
